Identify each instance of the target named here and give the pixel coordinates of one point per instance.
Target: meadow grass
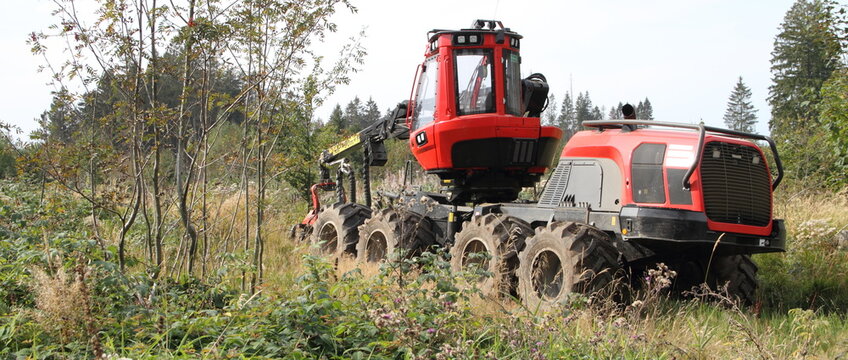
(310, 307)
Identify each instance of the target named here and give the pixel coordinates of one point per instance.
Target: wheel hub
(547, 275)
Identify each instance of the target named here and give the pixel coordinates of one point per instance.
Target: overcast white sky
(685, 56)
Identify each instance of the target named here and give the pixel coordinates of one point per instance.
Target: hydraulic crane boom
(371, 138)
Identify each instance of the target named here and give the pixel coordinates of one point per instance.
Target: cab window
(474, 81)
(425, 100)
(647, 174)
(512, 82)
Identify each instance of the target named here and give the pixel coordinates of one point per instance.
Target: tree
(806, 52)
(583, 107)
(644, 110)
(597, 113)
(567, 120)
(353, 114)
(61, 121)
(337, 118)
(370, 113)
(549, 116)
(615, 111)
(740, 114)
(834, 119)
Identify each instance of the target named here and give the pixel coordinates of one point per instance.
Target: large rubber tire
(336, 232)
(390, 230)
(564, 258)
(739, 273)
(491, 242)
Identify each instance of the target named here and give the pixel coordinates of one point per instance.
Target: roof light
(460, 39)
(472, 38)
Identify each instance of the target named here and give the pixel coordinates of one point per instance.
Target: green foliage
(412, 308)
(8, 153)
(810, 274)
(806, 52)
(834, 121)
(740, 114)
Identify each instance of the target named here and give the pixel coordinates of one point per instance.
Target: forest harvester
(625, 195)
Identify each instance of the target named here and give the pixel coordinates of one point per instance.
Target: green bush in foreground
(62, 297)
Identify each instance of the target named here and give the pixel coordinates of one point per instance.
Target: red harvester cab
(473, 121)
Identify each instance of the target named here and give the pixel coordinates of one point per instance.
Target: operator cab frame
(473, 120)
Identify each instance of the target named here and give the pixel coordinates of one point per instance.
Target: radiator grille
(736, 184)
(555, 187)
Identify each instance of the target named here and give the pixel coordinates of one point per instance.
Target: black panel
(648, 184)
(736, 184)
(646, 173)
(676, 193)
(547, 150)
(657, 228)
(649, 154)
(497, 153)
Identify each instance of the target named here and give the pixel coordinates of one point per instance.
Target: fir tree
(615, 112)
(567, 120)
(806, 52)
(370, 113)
(337, 118)
(644, 110)
(549, 116)
(740, 114)
(353, 114)
(583, 107)
(597, 113)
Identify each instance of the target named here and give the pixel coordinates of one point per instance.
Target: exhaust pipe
(628, 111)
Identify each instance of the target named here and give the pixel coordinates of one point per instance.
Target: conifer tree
(644, 110)
(740, 114)
(615, 112)
(337, 118)
(806, 52)
(583, 107)
(549, 116)
(567, 120)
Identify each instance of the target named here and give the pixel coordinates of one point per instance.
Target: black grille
(522, 151)
(735, 184)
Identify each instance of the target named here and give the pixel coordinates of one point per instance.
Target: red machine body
(731, 184)
(473, 121)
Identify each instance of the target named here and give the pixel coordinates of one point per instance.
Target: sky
(683, 55)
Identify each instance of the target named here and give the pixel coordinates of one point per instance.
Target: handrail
(702, 129)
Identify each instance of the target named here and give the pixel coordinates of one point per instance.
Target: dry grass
(796, 208)
(62, 301)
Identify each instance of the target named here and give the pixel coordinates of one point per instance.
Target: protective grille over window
(474, 81)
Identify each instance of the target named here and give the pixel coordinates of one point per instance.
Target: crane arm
(371, 138)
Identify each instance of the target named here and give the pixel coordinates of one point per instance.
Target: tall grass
(309, 307)
(811, 274)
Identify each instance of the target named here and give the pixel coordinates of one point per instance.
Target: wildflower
(431, 331)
